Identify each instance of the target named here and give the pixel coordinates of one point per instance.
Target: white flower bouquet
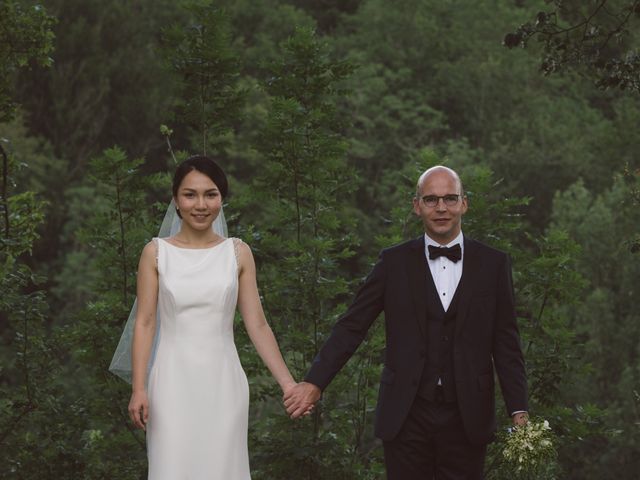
(529, 448)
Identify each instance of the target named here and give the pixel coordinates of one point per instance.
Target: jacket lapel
(417, 270)
(471, 267)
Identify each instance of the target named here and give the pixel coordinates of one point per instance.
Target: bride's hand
(139, 409)
(288, 391)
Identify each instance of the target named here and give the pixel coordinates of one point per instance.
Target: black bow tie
(452, 253)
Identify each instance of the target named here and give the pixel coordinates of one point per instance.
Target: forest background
(323, 113)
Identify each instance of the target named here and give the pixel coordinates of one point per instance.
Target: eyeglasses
(449, 200)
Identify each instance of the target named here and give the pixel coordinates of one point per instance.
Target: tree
(633, 178)
(26, 39)
(26, 353)
(433, 84)
(107, 85)
(208, 68)
(596, 38)
(302, 243)
(432, 75)
(605, 322)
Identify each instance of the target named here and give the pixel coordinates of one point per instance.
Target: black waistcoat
(439, 359)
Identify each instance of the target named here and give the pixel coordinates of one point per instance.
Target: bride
(194, 400)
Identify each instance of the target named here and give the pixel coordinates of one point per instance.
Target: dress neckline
(196, 249)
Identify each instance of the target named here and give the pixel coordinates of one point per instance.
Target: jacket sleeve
(350, 329)
(507, 351)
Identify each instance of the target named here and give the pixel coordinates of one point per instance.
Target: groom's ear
(416, 206)
(465, 204)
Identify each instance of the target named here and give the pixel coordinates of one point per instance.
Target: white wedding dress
(198, 391)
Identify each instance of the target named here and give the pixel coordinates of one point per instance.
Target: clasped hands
(300, 399)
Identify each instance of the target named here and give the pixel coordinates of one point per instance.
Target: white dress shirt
(445, 273)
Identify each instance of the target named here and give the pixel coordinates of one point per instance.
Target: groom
(450, 326)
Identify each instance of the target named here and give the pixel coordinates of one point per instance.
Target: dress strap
(236, 249)
(155, 242)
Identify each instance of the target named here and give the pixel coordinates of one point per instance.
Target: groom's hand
(520, 418)
(301, 398)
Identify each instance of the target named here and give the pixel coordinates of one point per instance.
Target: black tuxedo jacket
(486, 336)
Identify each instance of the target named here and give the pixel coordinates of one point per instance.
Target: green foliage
(549, 288)
(301, 248)
(431, 74)
(202, 57)
(392, 117)
(85, 436)
(595, 37)
(25, 352)
(120, 222)
(24, 217)
(633, 181)
(107, 84)
(316, 175)
(606, 323)
(550, 284)
(26, 38)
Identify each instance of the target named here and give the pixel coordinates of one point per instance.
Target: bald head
(438, 169)
(440, 203)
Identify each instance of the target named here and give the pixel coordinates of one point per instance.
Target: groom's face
(442, 222)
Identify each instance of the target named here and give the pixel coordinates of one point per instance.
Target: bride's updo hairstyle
(205, 165)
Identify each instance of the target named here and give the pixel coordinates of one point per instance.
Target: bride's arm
(255, 321)
(143, 333)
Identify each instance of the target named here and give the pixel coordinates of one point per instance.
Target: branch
(25, 358)
(30, 405)
(122, 240)
(620, 25)
(5, 194)
(584, 23)
(560, 31)
(28, 408)
(542, 307)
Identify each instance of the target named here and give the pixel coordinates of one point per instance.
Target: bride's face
(198, 200)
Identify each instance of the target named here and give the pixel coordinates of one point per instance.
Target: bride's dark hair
(205, 165)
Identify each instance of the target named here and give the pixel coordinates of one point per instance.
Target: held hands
(139, 409)
(300, 399)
